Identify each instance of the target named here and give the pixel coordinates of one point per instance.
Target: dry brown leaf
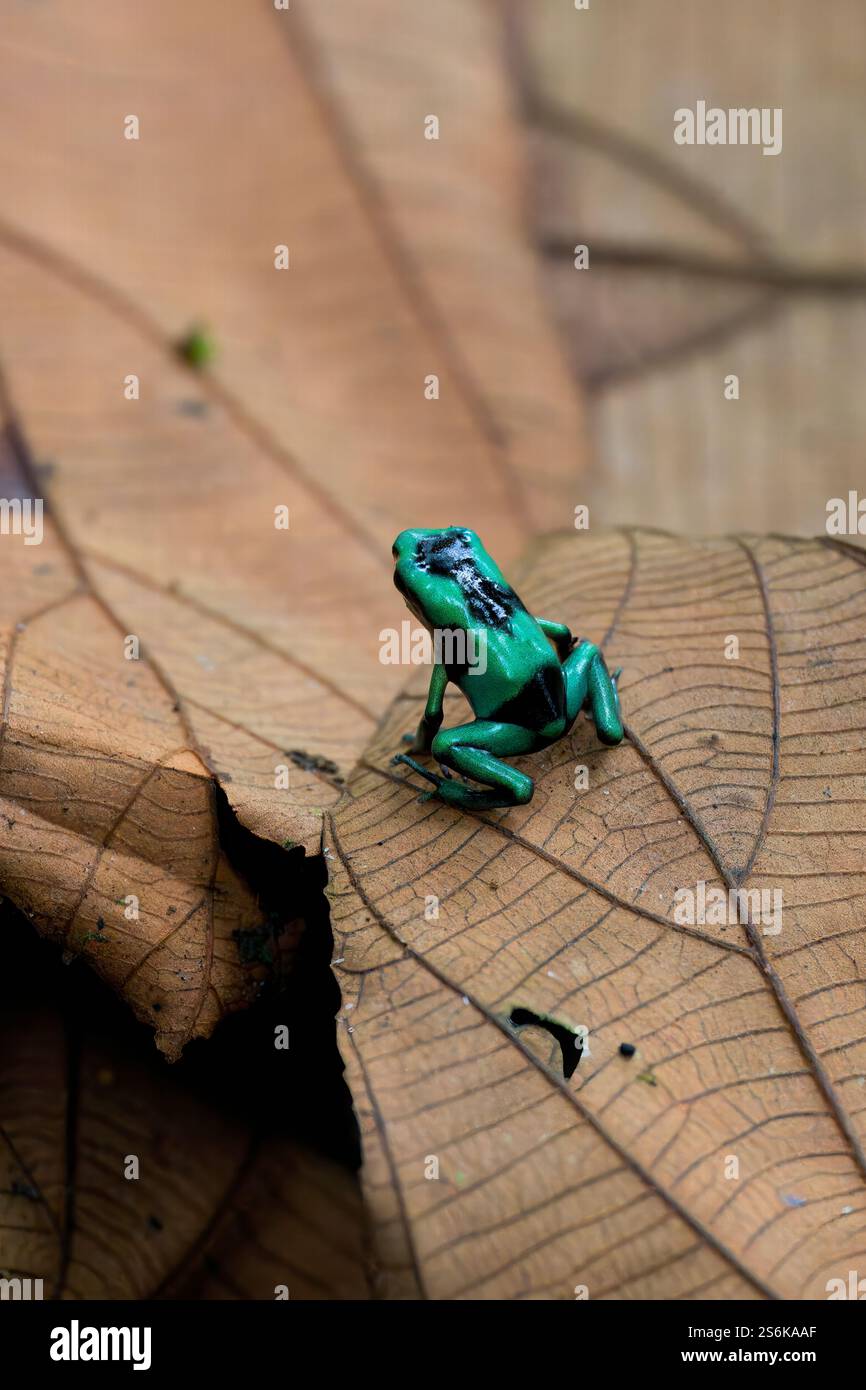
(259, 647)
(742, 772)
(257, 128)
(225, 1204)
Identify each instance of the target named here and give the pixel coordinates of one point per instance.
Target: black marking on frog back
(539, 703)
(452, 641)
(450, 554)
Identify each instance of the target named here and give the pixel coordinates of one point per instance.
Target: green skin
(529, 695)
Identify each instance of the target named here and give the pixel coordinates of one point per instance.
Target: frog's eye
(394, 552)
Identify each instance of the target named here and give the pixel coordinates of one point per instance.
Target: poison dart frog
(524, 692)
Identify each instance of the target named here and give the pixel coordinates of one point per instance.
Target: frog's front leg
(589, 683)
(476, 750)
(432, 716)
(559, 634)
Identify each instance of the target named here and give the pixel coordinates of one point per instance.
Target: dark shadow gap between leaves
(298, 1093)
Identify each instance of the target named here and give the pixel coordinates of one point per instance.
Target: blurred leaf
(705, 262)
(257, 668)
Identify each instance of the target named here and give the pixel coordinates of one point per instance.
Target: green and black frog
(526, 678)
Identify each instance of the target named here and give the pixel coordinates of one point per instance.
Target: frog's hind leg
(588, 683)
(476, 750)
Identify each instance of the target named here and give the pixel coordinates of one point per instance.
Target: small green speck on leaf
(197, 348)
(98, 935)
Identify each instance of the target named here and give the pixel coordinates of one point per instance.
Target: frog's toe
(416, 767)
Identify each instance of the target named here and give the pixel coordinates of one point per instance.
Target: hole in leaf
(570, 1039)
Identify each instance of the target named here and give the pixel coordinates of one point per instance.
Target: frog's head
(435, 569)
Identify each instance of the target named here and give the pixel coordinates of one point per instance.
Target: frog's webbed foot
(423, 772)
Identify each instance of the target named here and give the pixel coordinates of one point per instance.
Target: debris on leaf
(98, 935)
(314, 762)
(24, 1189)
(197, 348)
